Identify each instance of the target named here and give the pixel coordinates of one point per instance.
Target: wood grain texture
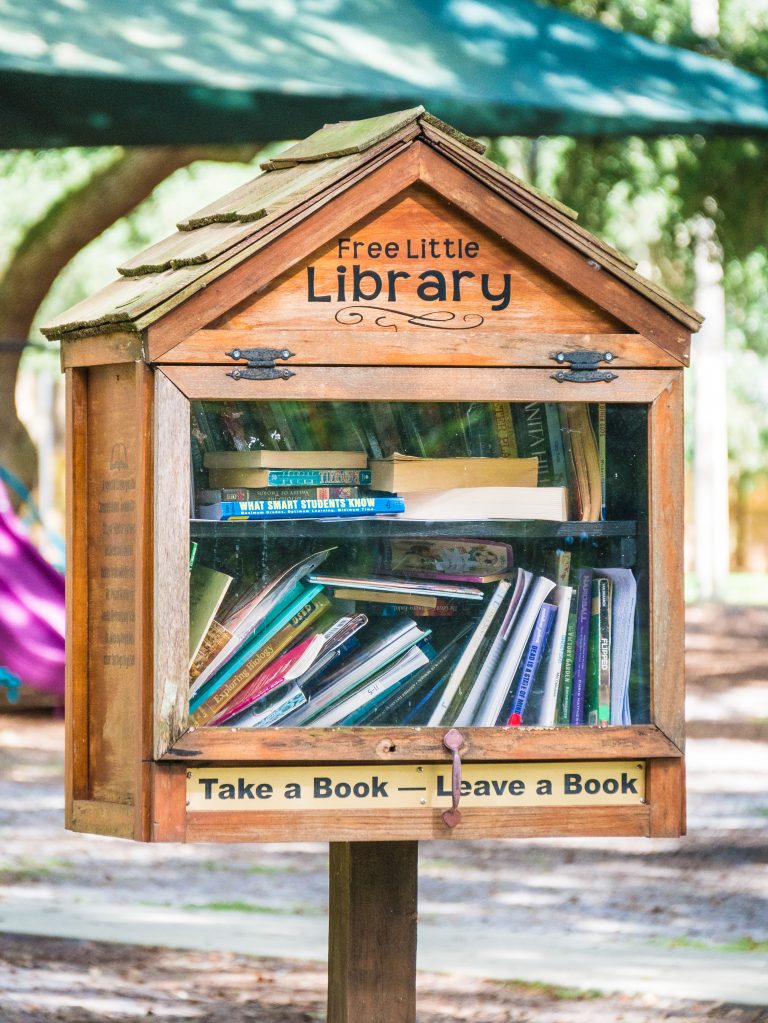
(92, 817)
(253, 275)
(102, 349)
(372, 932)
(665, 793)
(584, 275)
(411, 223)
(342, 347)
(402, 383)
(376, 745)
(143, 598)
(76, 667)
(171, 563)
(415, 825)
(665, 482)
(169, 794)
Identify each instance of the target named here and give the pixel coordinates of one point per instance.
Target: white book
(562, 599)
(485, 674)
(460, 669)
(481, 503)
(277, 706)
(411, 661)
(500, 684)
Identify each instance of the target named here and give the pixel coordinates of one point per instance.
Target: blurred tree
(91, 190)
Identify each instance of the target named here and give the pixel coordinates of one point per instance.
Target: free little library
(375, 513)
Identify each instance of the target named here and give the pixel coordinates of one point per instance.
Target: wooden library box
(375, 513)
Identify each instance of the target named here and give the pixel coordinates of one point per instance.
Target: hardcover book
(263, 459)
(402, 474)
(301, 508)
(259, 478)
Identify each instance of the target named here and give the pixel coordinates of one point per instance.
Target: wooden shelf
(499, 529)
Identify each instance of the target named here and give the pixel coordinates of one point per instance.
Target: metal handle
(453, 741)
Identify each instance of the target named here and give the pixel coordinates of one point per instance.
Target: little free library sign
(412, 786)
(440, 270)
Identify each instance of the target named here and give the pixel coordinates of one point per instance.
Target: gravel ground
(709, 889)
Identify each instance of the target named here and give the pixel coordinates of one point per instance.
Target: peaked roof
(292, 186)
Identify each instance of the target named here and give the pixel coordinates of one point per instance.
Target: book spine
(554, 667)
(318, 477)
(583, 604)
(531, 430)
(601, 450)
(442, 609)
(556, 448)
(273, 712)
(531, 662)
(505, 429)
(214, 641)
(310, 508)
(605, 596)
(272, 493)
(565, 692)
(592, 679)
(229, 688)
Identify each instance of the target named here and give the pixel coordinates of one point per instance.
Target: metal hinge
(583, 367)
(261, 364)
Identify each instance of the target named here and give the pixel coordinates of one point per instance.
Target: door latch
(261, 364)
(583, 368)
(453, 740)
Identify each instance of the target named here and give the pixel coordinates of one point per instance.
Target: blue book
(298, 598)
(531, 661)
(583, 611)
(302, 508)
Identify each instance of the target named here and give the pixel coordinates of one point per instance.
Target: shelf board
(378, 528)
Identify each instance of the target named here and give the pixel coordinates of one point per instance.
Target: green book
(207, 589)
(597, 700)
(592, 677)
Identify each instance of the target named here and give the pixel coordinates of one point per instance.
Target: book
(207, 496)
(565, 693)
(380, 646)
(390, 709)
(470, 561)
(522, 625)
(257, 478)
(384, 584)
(505, 429)
(256, 653)
(490, 657)
(383, 606)
(482, 503)
(251, 611)
(271, 709)
(374, 689)
(586, 457)
(405, 600)
(605, 598)
(622, 638)
(559, 473)
(531, 663)
(583, 608)
(592, 673)
(602, 453)
(402, 474)
(207, 589)
(261, 458)
(301, 508)
(561, 599)
(286, 667)
(533, 438)
(446, 710)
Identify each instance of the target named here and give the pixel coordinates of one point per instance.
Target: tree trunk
(68, 226)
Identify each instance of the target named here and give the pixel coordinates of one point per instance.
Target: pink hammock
(31, 608)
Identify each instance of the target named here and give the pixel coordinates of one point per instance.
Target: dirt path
(709, 890)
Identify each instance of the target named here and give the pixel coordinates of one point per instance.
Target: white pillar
(710, 436)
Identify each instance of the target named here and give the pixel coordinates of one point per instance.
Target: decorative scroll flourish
(438, 320)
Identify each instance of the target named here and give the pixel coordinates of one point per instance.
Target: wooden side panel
(666, 795)
(116, 533)
(372, 932)
(171, 554)
(169, 794)
(666, 559)
(76, 671)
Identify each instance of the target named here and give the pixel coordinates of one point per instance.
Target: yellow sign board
(414, 786)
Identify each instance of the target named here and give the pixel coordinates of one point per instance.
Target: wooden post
(372, 932)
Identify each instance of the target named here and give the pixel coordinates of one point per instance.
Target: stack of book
(262, 484)
(567, 440)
